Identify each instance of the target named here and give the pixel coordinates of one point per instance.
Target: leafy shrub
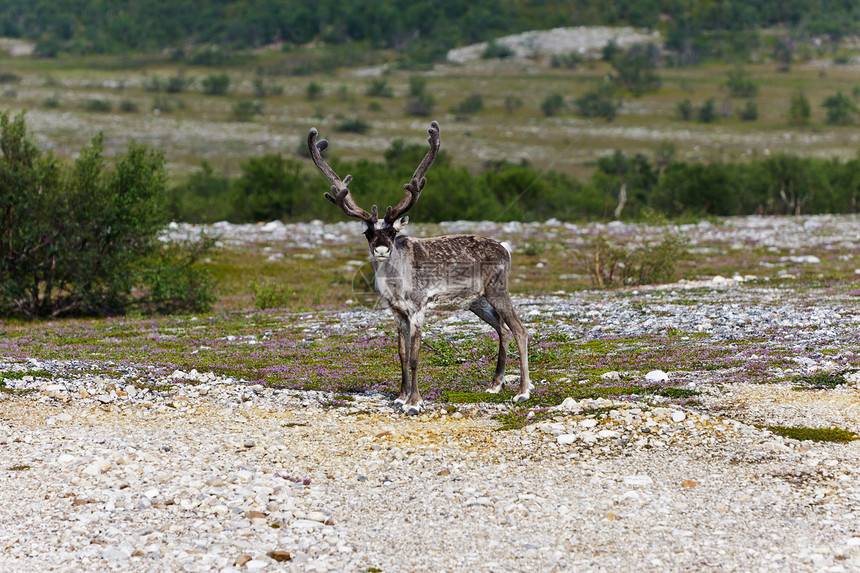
(9, 78)
(799, 110)
(79, 239)
(178, 83)
(840, 109)
(495, 50)
(749, 111)
(740, 84)
(378, 87)
(154, 84)
(216, 84)
(270, 187)
(569, 61)
(472, 104)
(247, 110)
(265, 88)
(128, 106)
(172, 280)
(203, 197)
(636, 69)
(421, 105)
(270, 294)
(163, 105)
(552, 105)
(52, 102)
(685, 110)
(313, 91)
(512, 104)
(708, 112)
(598, 103)
(353, 125)
(98, 105)
(612, 265)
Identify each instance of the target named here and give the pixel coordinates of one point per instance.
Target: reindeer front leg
(403, 352)
(409, 346)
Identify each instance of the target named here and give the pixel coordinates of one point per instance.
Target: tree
(270, 187)
(841, 109)
(636, 69)
(78, 240)
(599, 103)
(799, 110)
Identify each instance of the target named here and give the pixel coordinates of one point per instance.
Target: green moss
(18, 375)
(474, 397)
(821, 380)
(814, 434)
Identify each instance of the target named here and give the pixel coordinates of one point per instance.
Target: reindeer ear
(400, 223)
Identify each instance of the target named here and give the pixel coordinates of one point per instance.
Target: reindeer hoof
(520, 398)
(411, 410)
(495, 389)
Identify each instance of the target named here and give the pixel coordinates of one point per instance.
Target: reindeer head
(380, 234)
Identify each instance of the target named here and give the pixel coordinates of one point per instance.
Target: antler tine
(340, 194)
(416, 185)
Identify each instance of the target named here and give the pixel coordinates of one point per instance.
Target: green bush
(708, 112)
(552, 105)
(799, 110)
(841, 109)
(646, 263)
(740, 84)
(203, 197)
(495, 50)
(378, 87)
(472, 104)
(247, 110)
(216, 84)
(749, 111)
(128, 106)
(98, 105)
(569, 61)
(636, 69)
(353, 125)
(269, 294)
(78, 239)
(598, 103)
(684, 110)
(270, 187)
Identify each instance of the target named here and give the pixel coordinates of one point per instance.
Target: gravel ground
(97, 473)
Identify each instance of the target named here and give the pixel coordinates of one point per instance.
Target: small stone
(280, 556)
(242, 560)
(444, 472)
(637, 480)
(678, 416)
(611, 375)
(656, 376)
(688, 483)
(588, 423)
(317, 516)
(250, 443)
(567, 439)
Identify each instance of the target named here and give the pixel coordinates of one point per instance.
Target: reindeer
(414, 275)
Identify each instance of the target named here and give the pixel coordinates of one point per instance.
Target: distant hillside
(424, 28)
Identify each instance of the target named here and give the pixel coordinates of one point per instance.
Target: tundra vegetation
(733, 110)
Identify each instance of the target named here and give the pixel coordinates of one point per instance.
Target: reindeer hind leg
(488, 314)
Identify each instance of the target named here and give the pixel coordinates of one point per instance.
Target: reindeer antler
(416, 185)
(339, 195)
